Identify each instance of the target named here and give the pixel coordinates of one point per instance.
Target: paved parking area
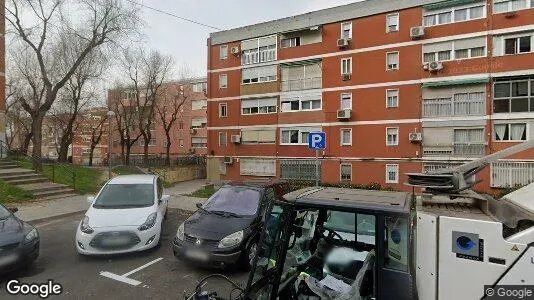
(160, 274)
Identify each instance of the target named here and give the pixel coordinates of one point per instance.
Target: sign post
(317, 142)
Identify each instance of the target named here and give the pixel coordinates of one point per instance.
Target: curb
(55, 217)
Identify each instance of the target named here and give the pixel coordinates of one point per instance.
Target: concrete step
(27, 180)
(60, 196)
(42, 187)
(45, 195)
(8, 166)
(8, 177)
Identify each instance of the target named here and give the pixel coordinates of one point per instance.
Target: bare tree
(56, 43)
(146, 74)
(121, 102)
(18, 122)
(168, 108)
(96, 135)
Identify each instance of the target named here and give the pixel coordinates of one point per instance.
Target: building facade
(92, 128)
(188, 133)
(398, 87)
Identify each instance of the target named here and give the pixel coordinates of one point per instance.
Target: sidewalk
(32, 211)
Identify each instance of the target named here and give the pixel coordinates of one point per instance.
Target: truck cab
(335, 243)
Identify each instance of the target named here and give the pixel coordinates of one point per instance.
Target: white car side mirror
(90, 199)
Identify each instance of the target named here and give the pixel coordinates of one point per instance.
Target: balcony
(302, 84)
(456, 150)
(446, 107)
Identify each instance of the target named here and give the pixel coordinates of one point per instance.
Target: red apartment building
(90, 123)
(397, 86)
(189, 132)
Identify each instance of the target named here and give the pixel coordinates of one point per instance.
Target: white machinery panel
(426, 240)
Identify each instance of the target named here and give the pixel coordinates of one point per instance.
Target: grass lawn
(84, 180)
(204, 192)
(126, 170)
(11, 194)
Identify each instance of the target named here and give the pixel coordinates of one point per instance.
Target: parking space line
(121, 278)
(124, 277)
(142, 267)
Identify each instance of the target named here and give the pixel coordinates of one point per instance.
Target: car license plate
(197, 255)
(118, 241)
(8, 259)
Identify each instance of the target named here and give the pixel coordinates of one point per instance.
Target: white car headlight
(84, 226)
(231, 240)
(31, 236)
(180, 232)
(149, 223)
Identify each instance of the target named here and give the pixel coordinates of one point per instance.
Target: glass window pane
(294, 138)
(520, 105)
(524, 44)
(444, 55)
(444, 18)
(462, 53)
(306, 105)
(510, 46)
(500, 7)
(477, 52)
(430, 20)
(397, 243)
(502, 90)
(519, 89)
(460, 15)
(501, 106)
(477, 12)
(428, 57)
(518, 4)
(304, 137)
(294, 105)
(316, 104)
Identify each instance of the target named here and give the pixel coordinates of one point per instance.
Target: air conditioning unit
(345, 77)
(434, 66)
(235, 50)
(417, 32)
(228, 160)
(236, 139)
(415, 137)
(344, 114)
(342, 43)
(193, 130)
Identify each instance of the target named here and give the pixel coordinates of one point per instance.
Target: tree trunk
(147, 137)
(26, 143)
(91, 156)
(127, 156)
(63, 152)
(37, 139)
(168, 158)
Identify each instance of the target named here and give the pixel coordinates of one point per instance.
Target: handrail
(20, 157)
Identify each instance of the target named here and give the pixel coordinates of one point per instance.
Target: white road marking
(124, 277)
(142, 267)
(120, 278)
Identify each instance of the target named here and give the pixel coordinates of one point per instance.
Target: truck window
(396, 243)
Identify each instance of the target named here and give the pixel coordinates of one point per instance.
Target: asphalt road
(165, 278)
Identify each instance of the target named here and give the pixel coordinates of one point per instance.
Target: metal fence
(139, 161)
(511, 174)
(302, 169)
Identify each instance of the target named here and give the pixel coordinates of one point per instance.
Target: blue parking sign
(317, 140)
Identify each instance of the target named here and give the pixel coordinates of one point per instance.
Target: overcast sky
(187, 42)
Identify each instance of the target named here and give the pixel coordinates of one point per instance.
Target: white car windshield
(237, 200)
(125, 195)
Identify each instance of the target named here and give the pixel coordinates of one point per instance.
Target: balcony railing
(459, 150)
(445, 107)
(302, 84)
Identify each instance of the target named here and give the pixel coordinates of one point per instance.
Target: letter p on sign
(317, 140)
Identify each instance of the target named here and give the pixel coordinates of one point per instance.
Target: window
(257, 167)
(346, 66)
(302, 103)
(262, 136)
(346, 137)
(346, 30)
(514, 95)
(299, 169)
(457, 49)
(181, 142)
(222, 139)
(392, 98)
(199, 123)
(223, 81)
(392, 22)
(259, 74)
(291, 42)
(345, 172)
(258, 106)
(458, 104)
(392, 60)
(346, 101)
(501, 6)
(392, 173)
(510, 132)
(152, 142)
(181, 125)
(258, 50)
(455, 14)
(223, 110)
(200, 87)
(298, 136)
(392, 136)
(396, 252)
(223, 52)
(199, 104)
(199, 142)
(518, 45)
(511, 173)
(307, 75)
(469, 142)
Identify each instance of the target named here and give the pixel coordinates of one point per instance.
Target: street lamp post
(110, 115)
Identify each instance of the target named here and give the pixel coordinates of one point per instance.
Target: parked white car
(126, 216)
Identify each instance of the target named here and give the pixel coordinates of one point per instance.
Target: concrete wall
(179, 174)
